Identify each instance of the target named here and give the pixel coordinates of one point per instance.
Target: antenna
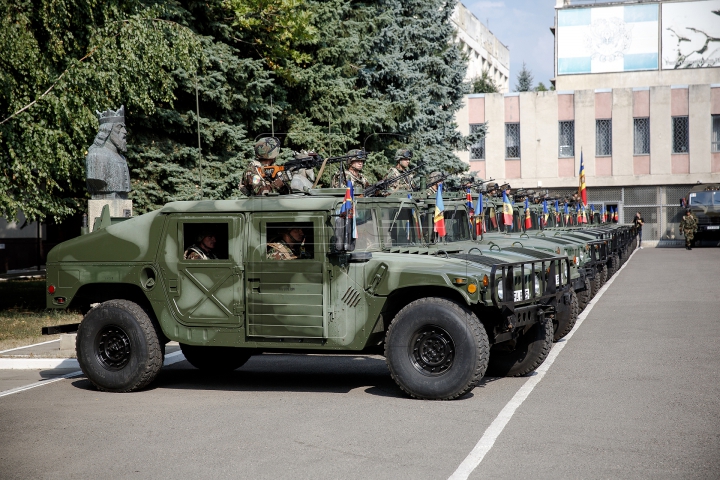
(272, 121)
(197, 106)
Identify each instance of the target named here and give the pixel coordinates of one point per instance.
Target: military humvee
(434, 318)
(704, 202)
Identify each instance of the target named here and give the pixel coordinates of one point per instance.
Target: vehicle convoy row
(363, 280)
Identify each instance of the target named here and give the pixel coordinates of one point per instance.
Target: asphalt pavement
(634, 393)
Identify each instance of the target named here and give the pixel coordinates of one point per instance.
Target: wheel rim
(112, 347)
(432, 350)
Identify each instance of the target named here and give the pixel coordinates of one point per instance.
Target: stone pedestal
(118, 208)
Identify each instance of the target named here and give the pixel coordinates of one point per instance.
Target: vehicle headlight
(537, 285)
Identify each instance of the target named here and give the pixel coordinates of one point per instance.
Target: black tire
(216, 359)
(519, 357)
(436, 349)
(604, 275)
(612, 265)
(597, 283)
(118, 348)
(585, 296)
(566, 318)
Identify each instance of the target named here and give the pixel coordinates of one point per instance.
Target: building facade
(485, 52)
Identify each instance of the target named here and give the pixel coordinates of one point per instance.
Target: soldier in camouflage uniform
(688, 227)
(288, 246)
(402, 157)
(203, 248)
(254, 182)
(431, 178)
(353, 173)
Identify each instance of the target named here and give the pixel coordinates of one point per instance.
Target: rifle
(311, 161)
(442, 178)
(383, 185)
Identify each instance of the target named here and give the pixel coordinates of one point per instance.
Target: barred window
(477, 150)
(716, 133)
(512, 140)
(642, 136)
(566, 138)
(603, 138)
(680, 135)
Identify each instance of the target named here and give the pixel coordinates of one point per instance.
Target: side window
(290, 241)
(205, 241)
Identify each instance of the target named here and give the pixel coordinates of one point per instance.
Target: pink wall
(603, 166)
(680, 163)
(476, 107)
(512, 168)
(715, 167)
(566, 107)
(566, 167)
(512, 109)
(479, 167)
(679, 102)
(641, 165)
(715, 101)
(603, 105)
(641, 104)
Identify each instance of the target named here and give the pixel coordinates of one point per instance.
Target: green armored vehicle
(279, 274)
(703, 200)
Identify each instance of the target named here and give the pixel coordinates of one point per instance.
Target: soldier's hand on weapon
(278, 182)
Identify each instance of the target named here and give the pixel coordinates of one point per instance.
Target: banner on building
(691, 34)
(608, 39)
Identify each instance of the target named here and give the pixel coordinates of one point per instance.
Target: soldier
(638, 221)
(354, 172)
(203, 248)
(431, 178)
(402, 157)
(287, 246)
(688, 227)
(492, 189)
(254, 181)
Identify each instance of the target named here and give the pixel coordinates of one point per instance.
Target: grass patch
(23, 314)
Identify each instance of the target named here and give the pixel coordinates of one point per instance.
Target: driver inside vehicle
(288, 245)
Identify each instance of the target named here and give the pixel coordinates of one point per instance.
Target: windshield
(384, 227)
(457, 225)
(705, 198)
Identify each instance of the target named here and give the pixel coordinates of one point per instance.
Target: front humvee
(433, 318)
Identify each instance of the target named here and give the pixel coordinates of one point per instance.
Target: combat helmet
(434, 176)
(356, 154)
(403, 154)
(267, 148)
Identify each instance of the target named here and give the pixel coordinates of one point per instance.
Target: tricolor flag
(468, 201)
(507, 210)
(581, 190)
(528, 220)
(480, 217)
(592, 213)
(347, 212)
(567, 215)
(439, 217)
(582, 218)
(493, 216)
(615, 215)
(557, 212)
(545, 213)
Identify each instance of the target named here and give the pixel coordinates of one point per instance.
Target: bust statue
(108, 176)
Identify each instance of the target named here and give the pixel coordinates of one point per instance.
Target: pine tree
(484, 84)
(524, 80)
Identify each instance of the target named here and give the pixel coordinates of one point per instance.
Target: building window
(680, 135)
(512, 140)
(642, 136)
(716, 133)
(603, 138)
(566, 138)
(477, 150)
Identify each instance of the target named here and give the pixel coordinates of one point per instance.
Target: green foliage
(85, 56)
(524, 80)
(541, 87)
(484, 84)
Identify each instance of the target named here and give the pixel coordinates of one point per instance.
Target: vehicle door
(204, 291)
(287, 293)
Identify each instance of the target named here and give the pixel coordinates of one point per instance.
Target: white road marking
(28, 346)
(37, 363)
(171, 358)
(488, 439)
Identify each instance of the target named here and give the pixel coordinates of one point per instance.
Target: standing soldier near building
(688, 227)
(402, 157)
(254, 181)
(354, 172)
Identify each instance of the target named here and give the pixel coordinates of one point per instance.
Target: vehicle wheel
(585, 296)
(566, 318)
(523, 355)
(597, 282)
(216, 359)
(436, 349)
(118, 348)
(604, 275)
(612, 262)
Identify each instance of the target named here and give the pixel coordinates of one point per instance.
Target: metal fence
(658, 205)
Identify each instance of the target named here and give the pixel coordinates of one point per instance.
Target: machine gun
(383, 185)
(438, 180)
(311, 161)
